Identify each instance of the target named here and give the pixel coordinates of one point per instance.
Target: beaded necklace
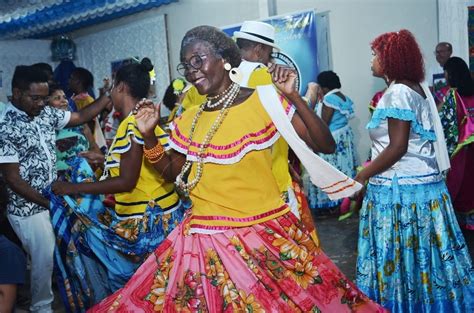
(223, 96)
(182, 185)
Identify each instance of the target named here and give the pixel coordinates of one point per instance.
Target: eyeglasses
(38, 99)
(195, 62)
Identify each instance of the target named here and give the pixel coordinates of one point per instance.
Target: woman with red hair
(412, 256)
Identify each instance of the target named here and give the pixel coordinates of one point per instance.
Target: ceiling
(21, 19)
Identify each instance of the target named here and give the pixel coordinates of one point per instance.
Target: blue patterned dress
(344, 158)
(412, 256)
(99, 248)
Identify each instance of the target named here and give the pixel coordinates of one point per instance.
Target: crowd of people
(203, 210)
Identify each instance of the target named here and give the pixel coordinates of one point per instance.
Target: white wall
(452, 25)
(180, 17)
(144, 37)
(353, 25)
(20, 52)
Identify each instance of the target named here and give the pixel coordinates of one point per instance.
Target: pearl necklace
(181, 185)
(223, 96)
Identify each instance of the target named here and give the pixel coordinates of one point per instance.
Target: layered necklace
(226, 98)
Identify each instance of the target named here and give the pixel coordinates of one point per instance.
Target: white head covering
(258, 32)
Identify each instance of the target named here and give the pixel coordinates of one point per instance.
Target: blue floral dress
(412, 256)
(344, 158)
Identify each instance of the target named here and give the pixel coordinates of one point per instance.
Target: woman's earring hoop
(227, 66)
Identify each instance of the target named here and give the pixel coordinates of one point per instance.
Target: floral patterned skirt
(412, 256)
(97, 250)
(305, 212)
(274, 266)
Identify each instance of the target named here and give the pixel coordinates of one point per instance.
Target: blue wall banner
(296, 37)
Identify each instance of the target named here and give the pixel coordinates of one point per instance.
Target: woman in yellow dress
(147, 208)
(240, 249)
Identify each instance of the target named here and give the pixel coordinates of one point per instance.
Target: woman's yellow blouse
(151, 187)
(237, 187)
(259, 77)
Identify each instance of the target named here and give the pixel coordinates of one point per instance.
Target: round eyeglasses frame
(194, 63)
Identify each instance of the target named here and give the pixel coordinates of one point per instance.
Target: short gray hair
(219, 43)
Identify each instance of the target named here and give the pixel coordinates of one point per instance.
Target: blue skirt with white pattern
(412, 256)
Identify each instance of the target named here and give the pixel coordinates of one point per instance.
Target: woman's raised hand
(105, 87)
(283, 77)
(147, 115)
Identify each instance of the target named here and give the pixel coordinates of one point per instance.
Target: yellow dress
(242, 198)
(82, 100)
(192, 98)
(172, 115)
(151, 187)
(259, 77)
(240, 250)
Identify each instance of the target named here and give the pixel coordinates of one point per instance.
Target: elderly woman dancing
(240, 249)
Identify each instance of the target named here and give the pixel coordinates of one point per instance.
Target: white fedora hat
(258, 32)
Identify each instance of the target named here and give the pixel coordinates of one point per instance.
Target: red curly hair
(400, 56)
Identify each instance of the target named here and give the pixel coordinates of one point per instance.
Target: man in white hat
(256, 41)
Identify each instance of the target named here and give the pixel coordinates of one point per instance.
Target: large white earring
(235, 75)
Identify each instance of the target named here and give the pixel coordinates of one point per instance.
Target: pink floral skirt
(274, 266)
